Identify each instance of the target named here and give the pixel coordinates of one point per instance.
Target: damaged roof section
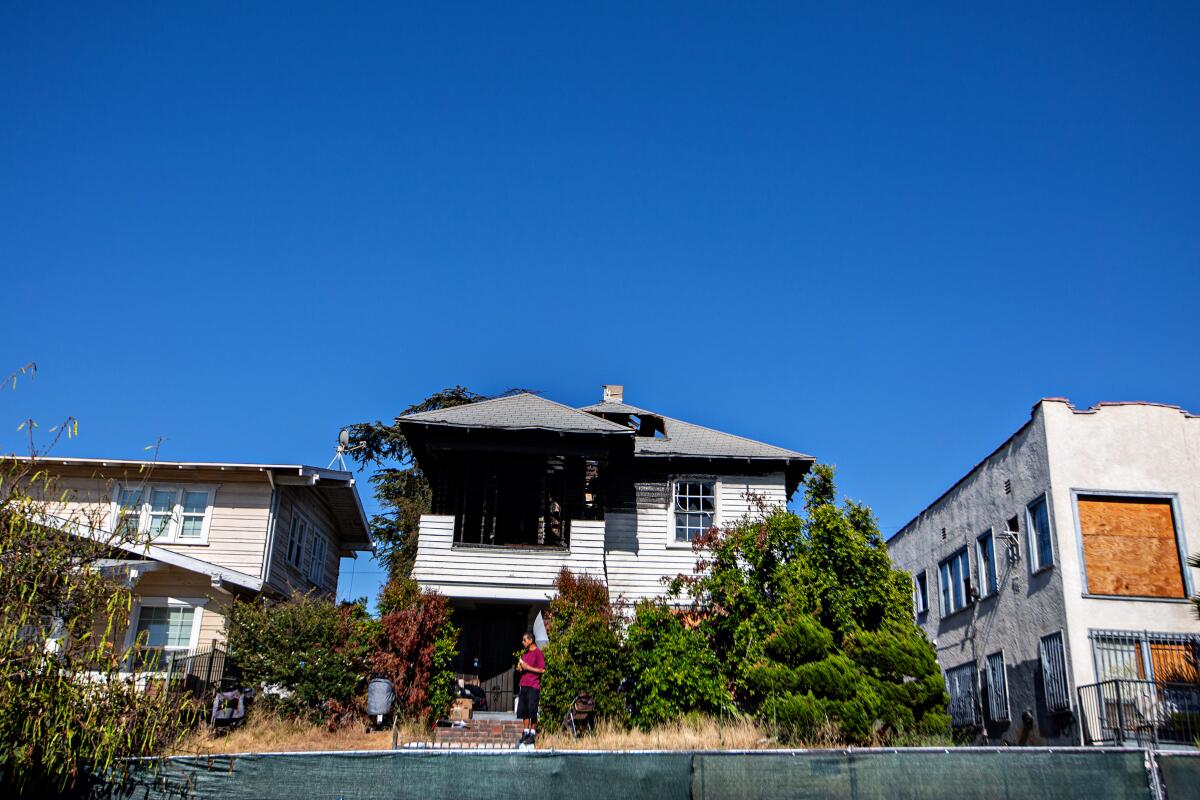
(519, 412)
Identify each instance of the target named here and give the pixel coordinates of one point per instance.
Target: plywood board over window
(1130, 547)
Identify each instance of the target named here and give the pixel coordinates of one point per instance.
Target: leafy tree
(584, 653)
(671, 668)
(311, 646)
(813, 625)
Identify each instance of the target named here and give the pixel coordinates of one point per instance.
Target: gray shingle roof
(685, 439)
(519, 412)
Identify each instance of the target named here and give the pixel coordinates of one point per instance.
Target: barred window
(964, 708)
(997, 688)
(1146, 655)
(1054, 672)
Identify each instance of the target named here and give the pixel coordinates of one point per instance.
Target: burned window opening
(648, 426)
(512, 500)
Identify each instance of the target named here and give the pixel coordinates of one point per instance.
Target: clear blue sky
(874, 235)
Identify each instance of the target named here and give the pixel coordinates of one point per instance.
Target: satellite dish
(344, 437)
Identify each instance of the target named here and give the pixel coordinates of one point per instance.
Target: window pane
(179, 633)
(191, 528)
(195, 502)
(1039, 534)
(153, 621)
(162, 500)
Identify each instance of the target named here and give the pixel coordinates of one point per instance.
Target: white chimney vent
(614, 393)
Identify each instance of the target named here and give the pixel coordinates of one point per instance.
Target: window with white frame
(1037, 519)
(297, 535)
(920, 593)
(997, 688)
(954, 576)
(316, 562)
(1054, 672)
(164, 514)
(961, 684)
(164, 627)
(694, 503)
(985, 551)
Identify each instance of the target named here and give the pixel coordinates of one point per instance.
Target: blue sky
(877, 235)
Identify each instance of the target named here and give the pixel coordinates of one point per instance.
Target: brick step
(481, 732)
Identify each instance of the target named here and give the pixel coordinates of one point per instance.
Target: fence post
(1120, 715)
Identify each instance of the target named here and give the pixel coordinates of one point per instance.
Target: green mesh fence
(957, 774)
(1180, 775)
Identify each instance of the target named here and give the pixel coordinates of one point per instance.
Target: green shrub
(314, 649)
(800, 639)
(584, 653)
(672, 670)
(814, 625)
(415, 648)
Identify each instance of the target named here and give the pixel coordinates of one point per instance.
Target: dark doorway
(489, 638)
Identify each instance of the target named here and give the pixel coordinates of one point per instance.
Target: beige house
(198, 535)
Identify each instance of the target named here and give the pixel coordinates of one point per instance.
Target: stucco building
(1054, 578)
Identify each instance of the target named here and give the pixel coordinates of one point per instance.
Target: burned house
(524, 486)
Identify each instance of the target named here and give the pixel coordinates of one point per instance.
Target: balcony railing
(1142, 713)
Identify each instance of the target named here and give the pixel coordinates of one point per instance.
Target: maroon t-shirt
(533, 658)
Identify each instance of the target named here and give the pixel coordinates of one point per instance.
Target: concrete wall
(1124, 448)
(1025, 607)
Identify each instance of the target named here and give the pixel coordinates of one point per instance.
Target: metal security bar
(1054, 672)
(964, 706)
(1145, 713)
(997, 688)
(1145, 655)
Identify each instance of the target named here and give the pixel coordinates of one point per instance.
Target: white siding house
(190, 537)
(524, 487)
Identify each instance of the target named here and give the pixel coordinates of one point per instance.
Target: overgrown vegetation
(415, 649)
(813, 626)
(320, 653)
(69, 699)
(672, 671)
(584, 653)
(316, 650)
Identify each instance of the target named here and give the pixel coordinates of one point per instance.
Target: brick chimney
(614, 393)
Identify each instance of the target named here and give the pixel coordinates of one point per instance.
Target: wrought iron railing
(198, 673)
(1141, 713)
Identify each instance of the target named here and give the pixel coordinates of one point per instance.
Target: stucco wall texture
(1128, 448)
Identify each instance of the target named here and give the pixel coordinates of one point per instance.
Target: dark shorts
(527, 702)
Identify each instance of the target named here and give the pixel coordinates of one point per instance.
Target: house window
(997, 688)
(695, 506)
(296, 536)
(960, 683)
(316, 563)
(162, 630)
(1037, 518)
(955, 578)
(1130, 546)
(985, 550)
(164, 514)
(920, 593)
(1146, 656)
(1054, 672)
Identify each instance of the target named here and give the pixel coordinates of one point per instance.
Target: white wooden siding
(634, 552)
(285, 577)
(641, 551)
(502, 572)
(238, 530)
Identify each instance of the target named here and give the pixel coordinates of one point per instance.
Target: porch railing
(198, 673)
(1142, 713)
